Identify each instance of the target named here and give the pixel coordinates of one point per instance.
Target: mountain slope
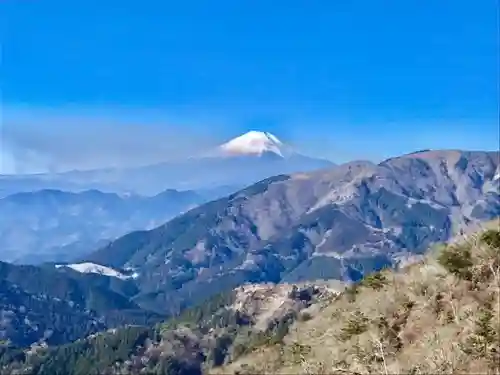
(28, 318)
(337, 223)
(224, 326)
(52, 225)
(60, 305)
(437, 316)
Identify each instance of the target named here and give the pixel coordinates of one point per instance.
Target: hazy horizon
(80, 143)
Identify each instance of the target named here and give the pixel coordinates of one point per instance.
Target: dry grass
(439, 316)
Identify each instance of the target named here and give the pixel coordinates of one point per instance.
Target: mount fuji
(241, 161)
(254, 143)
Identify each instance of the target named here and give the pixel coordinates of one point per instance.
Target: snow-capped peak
(254, 143)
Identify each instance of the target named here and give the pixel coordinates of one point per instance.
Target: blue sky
(338, 79)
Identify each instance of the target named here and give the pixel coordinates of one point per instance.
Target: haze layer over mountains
(61, 217)
(241, 161)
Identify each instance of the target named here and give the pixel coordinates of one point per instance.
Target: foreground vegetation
(441, 315)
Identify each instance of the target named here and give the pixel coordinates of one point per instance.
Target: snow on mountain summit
(254, 143)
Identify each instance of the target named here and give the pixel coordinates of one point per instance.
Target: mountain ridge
(336, 223)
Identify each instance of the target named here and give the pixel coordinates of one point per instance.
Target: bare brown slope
(436, 316)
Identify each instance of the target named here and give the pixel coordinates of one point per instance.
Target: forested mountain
(227, 325)
(338, 223)
(60, 305)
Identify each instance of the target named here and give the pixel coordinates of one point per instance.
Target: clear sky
(341, 79)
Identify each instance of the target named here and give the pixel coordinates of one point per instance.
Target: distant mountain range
(63, 225)
(52, 225)
(337, 223)
(239, 162)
